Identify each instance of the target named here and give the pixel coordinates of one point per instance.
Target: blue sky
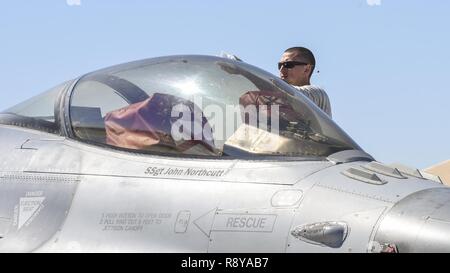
(383, 66)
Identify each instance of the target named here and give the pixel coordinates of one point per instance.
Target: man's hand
(230, 68)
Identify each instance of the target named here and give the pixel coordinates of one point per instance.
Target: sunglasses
(289, 64)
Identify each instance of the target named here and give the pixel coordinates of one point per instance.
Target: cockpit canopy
(187, 105)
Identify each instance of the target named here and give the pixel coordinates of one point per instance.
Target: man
(296, 67)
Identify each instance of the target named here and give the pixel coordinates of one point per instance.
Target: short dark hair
(305, 53)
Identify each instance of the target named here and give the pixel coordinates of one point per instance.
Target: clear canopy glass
(188, 105)
(201, 105)
(37, 112)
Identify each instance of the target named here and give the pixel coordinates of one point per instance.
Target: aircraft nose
(418, 223)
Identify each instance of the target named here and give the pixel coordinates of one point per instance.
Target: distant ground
(442, 170)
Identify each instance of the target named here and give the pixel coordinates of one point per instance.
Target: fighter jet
(201, 154)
